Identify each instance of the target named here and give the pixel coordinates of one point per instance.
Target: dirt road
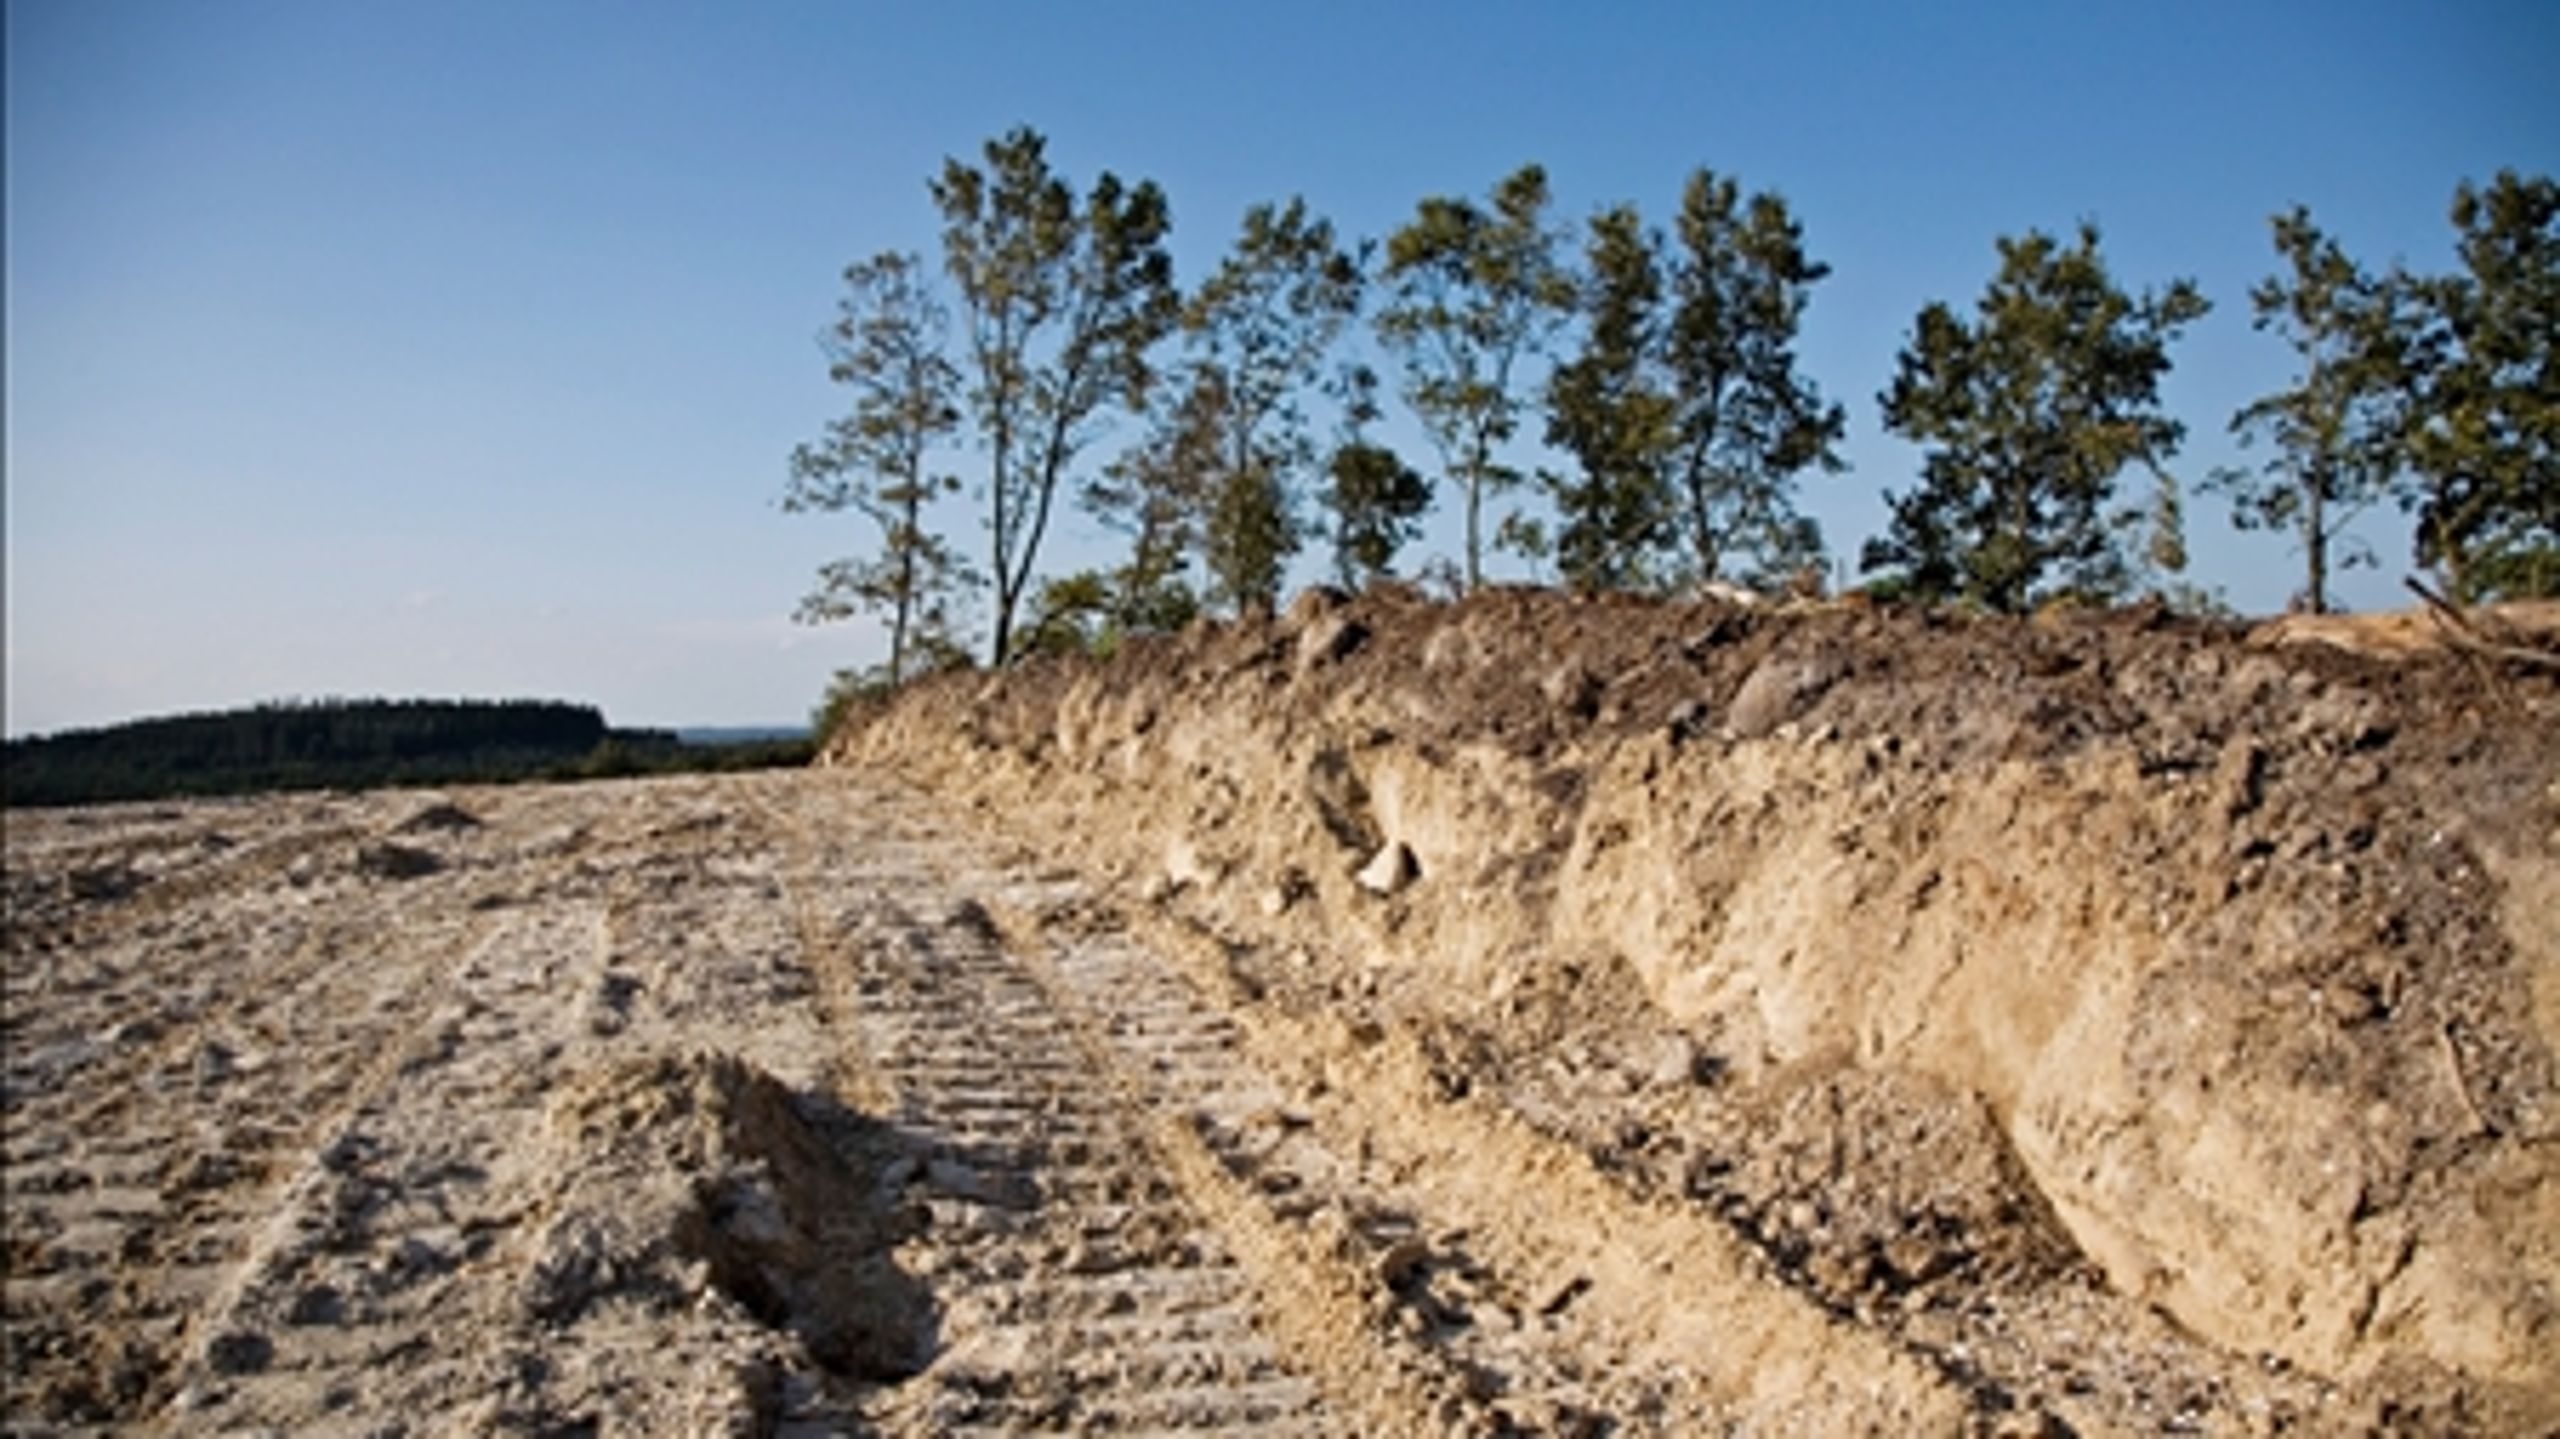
(778, 1104)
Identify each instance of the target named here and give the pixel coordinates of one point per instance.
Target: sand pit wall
(2245, 952)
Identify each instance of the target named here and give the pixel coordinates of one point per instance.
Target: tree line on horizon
(354, 744)
(1670, 397)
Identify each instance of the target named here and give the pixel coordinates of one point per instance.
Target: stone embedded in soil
(1390, 870)
(396, 861)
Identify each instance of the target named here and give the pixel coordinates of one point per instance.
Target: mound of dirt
(2036, 993)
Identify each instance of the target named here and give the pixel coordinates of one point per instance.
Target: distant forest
(355, 744)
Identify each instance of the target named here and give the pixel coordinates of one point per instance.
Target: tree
(887, 345)
(1474, 292)
(2031, 411)
(1063, 301)
(1376, 498)
(2482, 448)
(2337, 429)
(1153, 493)
(1608, 410)
(1261, 326)
(1747, 423)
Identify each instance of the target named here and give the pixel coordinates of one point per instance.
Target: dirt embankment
(2027, 992)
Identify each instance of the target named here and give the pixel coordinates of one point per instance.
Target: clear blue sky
(456, 348)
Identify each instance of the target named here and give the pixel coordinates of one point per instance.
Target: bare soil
(1527, 1016)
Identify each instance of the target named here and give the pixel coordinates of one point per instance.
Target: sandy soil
(2139, 1024)
(1528, 1017)
(778, 1105)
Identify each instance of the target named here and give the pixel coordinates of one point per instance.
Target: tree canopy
(886, 345)
(1063, 300)
(1474, 291)
(1675, 421)
(2031, 410)
(2482, 443)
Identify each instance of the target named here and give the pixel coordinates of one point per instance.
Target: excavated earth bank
(2101, 1023)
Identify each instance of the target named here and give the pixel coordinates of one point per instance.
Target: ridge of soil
(2132, 1018)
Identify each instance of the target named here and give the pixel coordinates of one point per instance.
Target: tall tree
(1064, 300)
(2031, 411)
(1260, 327)
(887, 346)
(1474, 292)
(1607, 408)
(2336, 429)
(2483, 446)
(1748, 423)
(1376, 498)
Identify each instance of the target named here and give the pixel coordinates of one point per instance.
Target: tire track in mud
(158, 1169)
(1079, 1290)
(249, 1090)
(1445, 1269)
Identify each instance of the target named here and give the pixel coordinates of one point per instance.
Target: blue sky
(456, 348)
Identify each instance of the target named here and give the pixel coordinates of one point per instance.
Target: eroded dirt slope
(2136, 1025)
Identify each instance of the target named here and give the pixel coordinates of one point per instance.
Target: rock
(239, 1352)
(1390, 870)
(976, 1186)
(1341, 800)
(1778, 687)
(1451, 647)
(1329, 640)
(1183, 866)
(1403, 1262)
(443, 815)
(319, 1304)
(1314, 603)
(1573, 688)
(102, 883)
(1675, 1062)
(395, 861)
(1552, 1298)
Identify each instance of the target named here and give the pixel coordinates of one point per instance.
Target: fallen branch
(2464, 634)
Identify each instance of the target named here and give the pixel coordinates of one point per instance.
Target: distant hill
(739, 734)
(357, 744)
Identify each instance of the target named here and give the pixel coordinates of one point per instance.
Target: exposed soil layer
(2137, 1023)
(1530, 1016)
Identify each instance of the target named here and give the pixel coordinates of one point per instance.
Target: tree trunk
(906, 601)
(2315, 541)
(1475, 506)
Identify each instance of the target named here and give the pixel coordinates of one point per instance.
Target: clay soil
(1526, 1016)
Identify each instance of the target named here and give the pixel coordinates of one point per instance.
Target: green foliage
(1155, 493)
(1746, 423)
(1260, 327)
(1072, 616)
(1250, 531)
(2482, 446)
(1608, 409)
(2337, 428)
(1474, 290)
(1377, 500)
(1063, 301)
(2031, 411)
(887, 346)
